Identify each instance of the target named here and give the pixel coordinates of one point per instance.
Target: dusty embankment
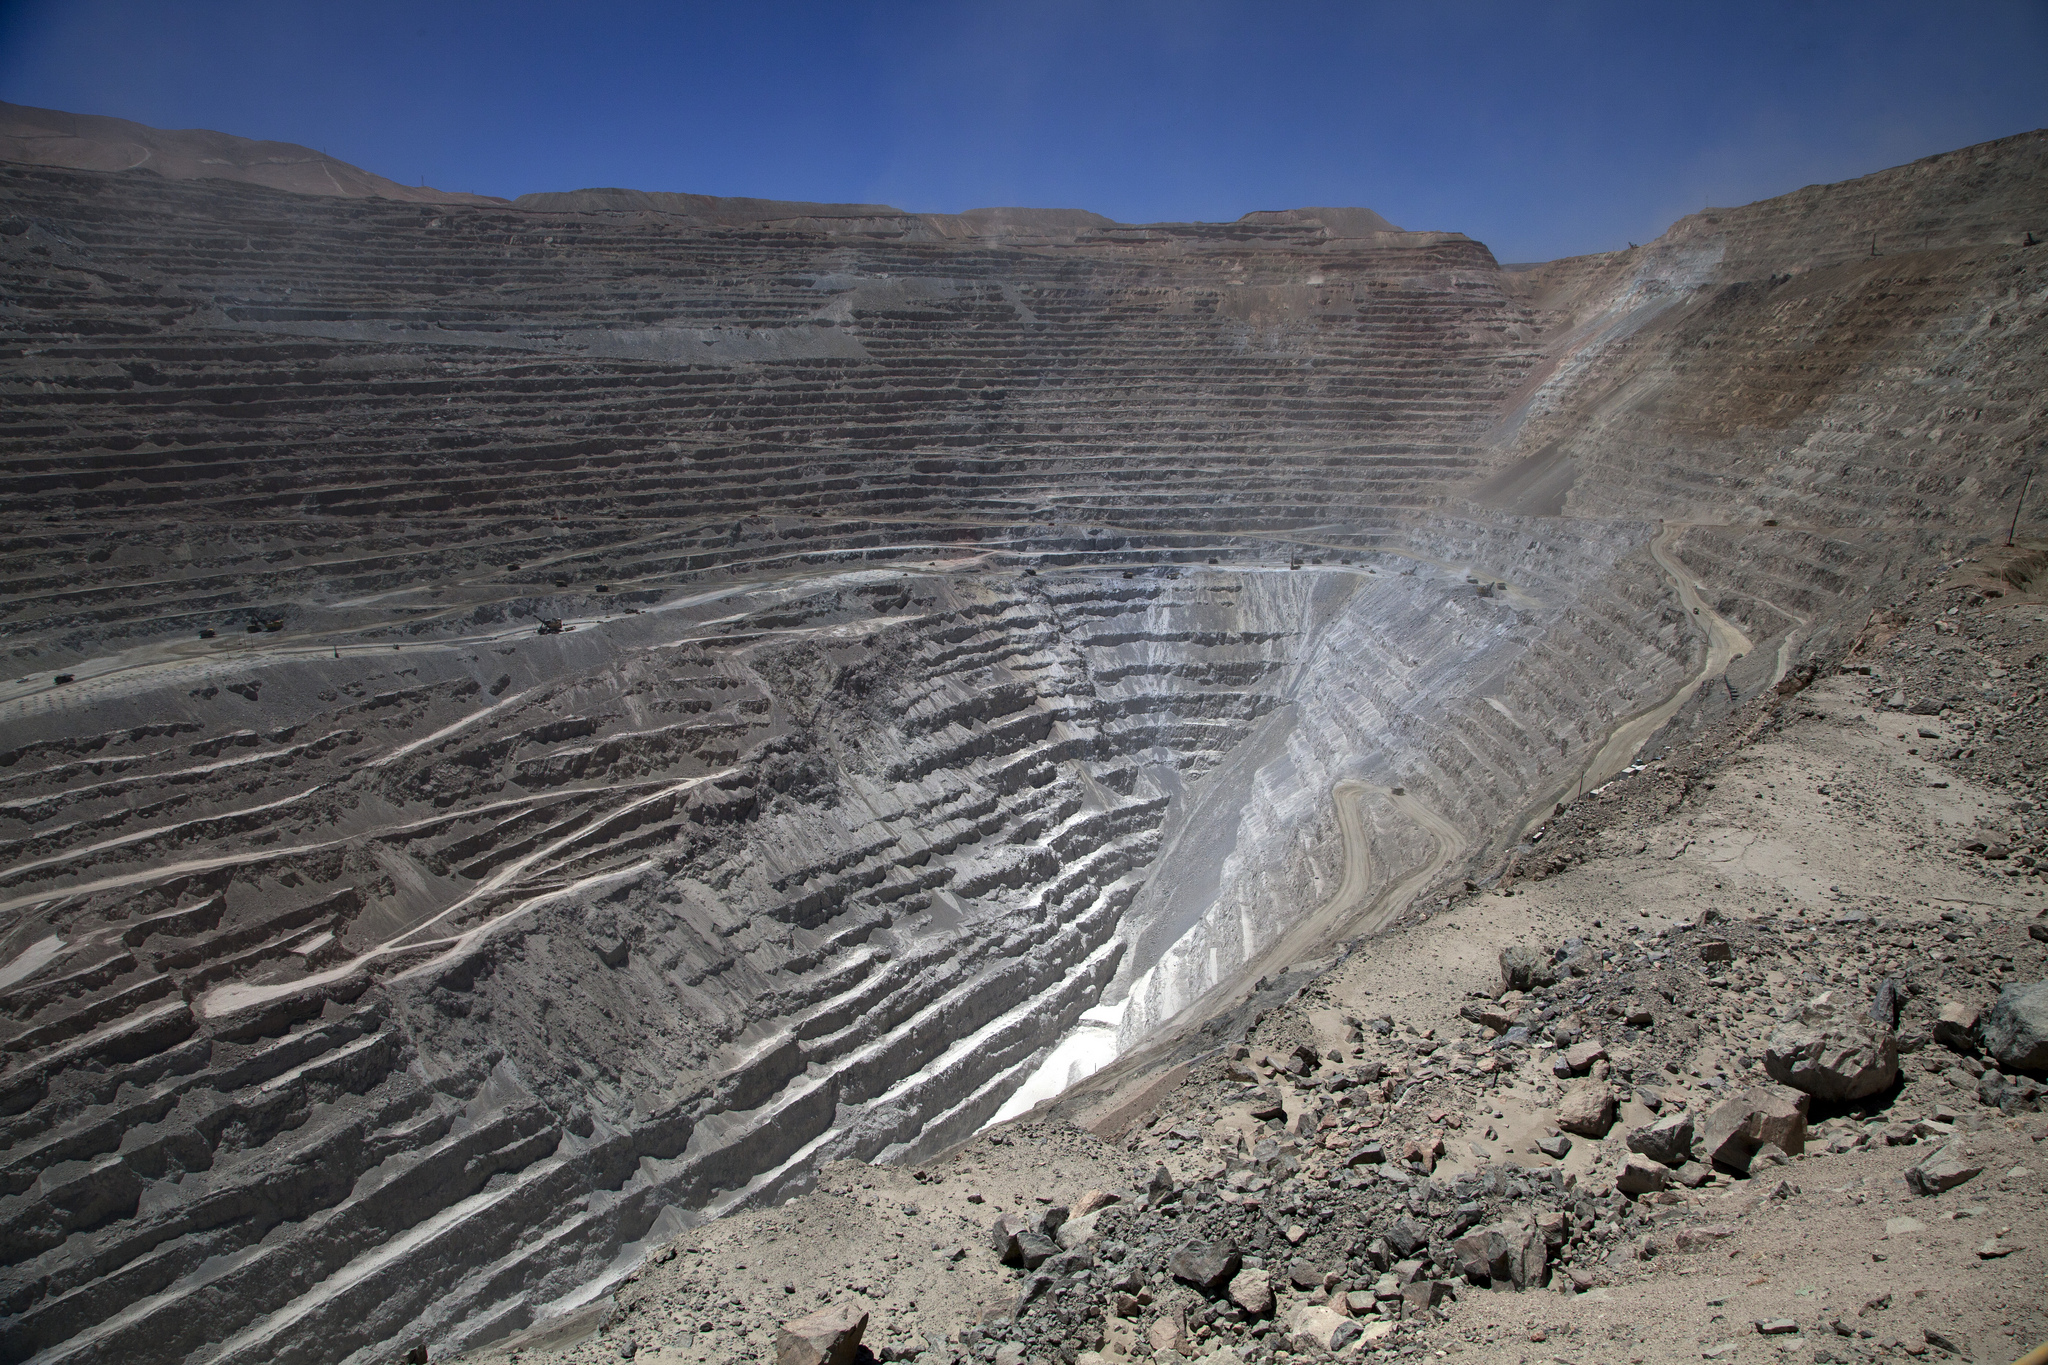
(1872, 837)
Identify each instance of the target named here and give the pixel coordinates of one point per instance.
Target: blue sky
(1541, 129)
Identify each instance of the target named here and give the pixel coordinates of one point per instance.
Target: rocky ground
(1549, 1120)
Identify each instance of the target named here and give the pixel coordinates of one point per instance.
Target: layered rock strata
(573, 716)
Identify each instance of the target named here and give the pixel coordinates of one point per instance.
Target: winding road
(1725, 642)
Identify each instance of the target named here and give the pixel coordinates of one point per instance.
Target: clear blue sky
(1542, 129)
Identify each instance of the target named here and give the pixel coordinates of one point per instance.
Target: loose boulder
(1483, 1256)
(1737, 1126)
(1406, 1237)
(1252, 1291)
(1506, 1255)
(1640, 1175)
(1523, 969)
(1034, 1249)
(1833, 1055)
(1578, 1059)
(1076, 1232)
(1668, 1141)
(1003, 1239)
(1955, 1028)
(1322, 1329)
(830, 1336)
(1093, 1200)
(1204, 1265)
(1943, 1170)
(1587, 1110)
(2015, 1029)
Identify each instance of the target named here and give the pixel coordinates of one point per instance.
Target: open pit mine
(528, 727)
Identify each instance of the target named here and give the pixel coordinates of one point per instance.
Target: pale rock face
(1076, 1232)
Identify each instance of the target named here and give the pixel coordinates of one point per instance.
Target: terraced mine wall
(687, 700)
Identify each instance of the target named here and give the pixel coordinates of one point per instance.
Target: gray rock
(1668, 1141)
(1366, 1154)
(1070, 1262)
(1003, 1237)
(1483, 1257)
(1204, 1265)
(1887, 1003)
(1305, 1275)
(1942, 1170)
(1940, 1342)
(1507, 1254)
(1556, 1146)
(2010, 1094)
(1035, 1249)
(1832, 1055)
(2015, 1028)
(1407, 1237)
(1523, 969)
